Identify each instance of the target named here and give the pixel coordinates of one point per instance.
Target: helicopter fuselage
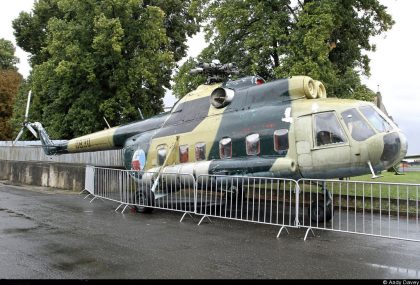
(268, 130)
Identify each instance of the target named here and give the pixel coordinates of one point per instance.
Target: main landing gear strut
(322, 209)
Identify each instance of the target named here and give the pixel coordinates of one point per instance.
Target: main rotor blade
(32, 130)
(18, 136)
(28, 102)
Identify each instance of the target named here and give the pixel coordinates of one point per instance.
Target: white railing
(369, 208)
(253, 199)
(145, 191)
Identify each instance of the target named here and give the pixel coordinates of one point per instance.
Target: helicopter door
(330, 148)
(303, 135)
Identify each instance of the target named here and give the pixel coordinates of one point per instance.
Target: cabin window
(281, 140)
(183, 153)
(200, 151)
(328, 130)
(378, 122)
(225, 148)
(161, 154)
(357, 126)
(253, 144)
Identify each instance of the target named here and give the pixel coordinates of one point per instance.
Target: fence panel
(169, 191)
(369, 208)
(146, 190)
(252, 199)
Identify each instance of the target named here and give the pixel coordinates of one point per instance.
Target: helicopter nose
(394, 150)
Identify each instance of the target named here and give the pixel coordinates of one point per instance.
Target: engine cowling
(321, 92)
(221, 97)
(306, 87)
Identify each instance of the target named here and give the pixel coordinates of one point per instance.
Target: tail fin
(47, 144)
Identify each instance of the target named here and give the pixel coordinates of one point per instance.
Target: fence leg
(93, 199)
(281, 229)
(183, 216)
(118, 207)
(122, 212)
(82, 191)
(307, 232)
(87, 196)
(203, 219)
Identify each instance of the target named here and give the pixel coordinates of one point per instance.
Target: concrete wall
(57, 175)
(23, 151)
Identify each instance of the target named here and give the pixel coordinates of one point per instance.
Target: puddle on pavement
(70, 266)
(410, 273)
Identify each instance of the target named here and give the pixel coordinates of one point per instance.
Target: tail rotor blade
(28, 102)
(18, 136)
(32, 130)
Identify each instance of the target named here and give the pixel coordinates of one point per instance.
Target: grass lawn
(398, 193)
(411, 177)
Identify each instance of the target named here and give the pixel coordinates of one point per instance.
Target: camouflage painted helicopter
(285, 128)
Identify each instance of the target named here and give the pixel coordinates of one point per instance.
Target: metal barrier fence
(145, 191)
(252, 199)
(369, 208)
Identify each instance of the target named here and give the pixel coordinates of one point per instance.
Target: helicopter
(286, 128)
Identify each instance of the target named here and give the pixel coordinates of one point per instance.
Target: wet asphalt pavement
(46, 233)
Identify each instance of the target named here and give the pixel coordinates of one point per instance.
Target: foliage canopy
(8, 60)
(10, 80)
(324, 39)
(93, 59)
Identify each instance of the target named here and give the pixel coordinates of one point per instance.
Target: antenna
(107, 123)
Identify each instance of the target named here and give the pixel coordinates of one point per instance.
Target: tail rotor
(26, 123)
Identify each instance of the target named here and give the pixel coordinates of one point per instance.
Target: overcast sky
(394, 66)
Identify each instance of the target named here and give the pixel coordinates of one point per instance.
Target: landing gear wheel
(320, 211)
(145, 199)
(235, 196)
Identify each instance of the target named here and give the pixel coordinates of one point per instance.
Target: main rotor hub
(215, 71)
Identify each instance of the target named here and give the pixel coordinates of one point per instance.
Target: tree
(324, 39)
(186, 82)
(8, 60)
(101, 58)
(19, 109)
(9, 83)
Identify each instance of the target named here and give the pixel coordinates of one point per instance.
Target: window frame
(372, 124)
(364, 121)
(197, 148)
(276, 137)
(344, 137)
(158, 157)
(247, 146)
(183, 152)
(220, 148)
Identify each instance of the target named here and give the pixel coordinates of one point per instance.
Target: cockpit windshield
(357, 126)
(377, 121)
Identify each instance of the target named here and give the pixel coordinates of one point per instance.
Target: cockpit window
(328, 130)
(357, 126)
(377, 121)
